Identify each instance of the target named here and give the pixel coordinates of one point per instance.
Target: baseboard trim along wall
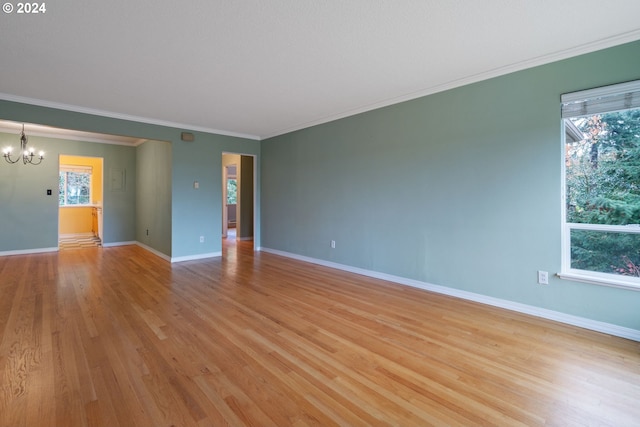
(29, 251)
(113, 244)
(594, 325)
(196, 257)
(181, 258)
(153, 251)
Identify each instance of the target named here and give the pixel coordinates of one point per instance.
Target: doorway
(80, 199)
(230, 200)
(238, 196)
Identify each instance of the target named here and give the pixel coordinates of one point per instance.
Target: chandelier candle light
(27, 154)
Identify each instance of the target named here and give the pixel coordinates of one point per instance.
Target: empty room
(302, 213)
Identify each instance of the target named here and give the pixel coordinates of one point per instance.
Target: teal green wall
(194, 213)
(460, 188)
(30, 217)
(153, 201)
(198, 212)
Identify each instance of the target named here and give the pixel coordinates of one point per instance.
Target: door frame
(254, 196)
(225, 209)
(100, 219)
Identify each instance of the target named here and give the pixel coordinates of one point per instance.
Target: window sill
(594, 280)
(80, 206)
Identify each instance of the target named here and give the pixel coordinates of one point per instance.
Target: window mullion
(66, 202)
(631, 228)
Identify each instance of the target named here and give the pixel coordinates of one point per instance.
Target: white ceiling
(260, 68)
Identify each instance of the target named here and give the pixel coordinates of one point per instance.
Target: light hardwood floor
(118, 336)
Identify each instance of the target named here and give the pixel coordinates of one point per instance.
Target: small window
(601, 241)
(75, 185)
(232, 191)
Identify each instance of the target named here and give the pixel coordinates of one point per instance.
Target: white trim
(179, 259)
(565, 243)
(31, 129)
(29, 251)
(113, 244)
(595, 278)
(629, 228)
(76, 168)
(255, 197)
(600, 92)
(594, 325)
(153, 251)
(110, 114)
(196, 257)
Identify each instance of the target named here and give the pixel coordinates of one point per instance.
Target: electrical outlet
(333, 244)
(201, 239)
(543, 277)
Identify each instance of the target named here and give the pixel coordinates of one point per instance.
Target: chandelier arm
(7, 157)
(30, 160)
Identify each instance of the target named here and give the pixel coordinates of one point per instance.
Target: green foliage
(605, 252)
(232, 191)
(74, 188)
(603, 170)
(603, 187)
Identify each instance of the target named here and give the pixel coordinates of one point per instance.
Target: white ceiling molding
(112, 115)
(31, 129)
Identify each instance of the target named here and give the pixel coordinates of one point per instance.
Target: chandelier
(27, 154)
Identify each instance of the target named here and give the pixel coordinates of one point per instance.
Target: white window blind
(76, 168)
(623, 96)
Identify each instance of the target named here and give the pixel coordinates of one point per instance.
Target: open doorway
(80, 198)
(230, 200)
(238, 196)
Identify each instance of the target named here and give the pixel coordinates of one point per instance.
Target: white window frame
(613, 98)
(77, 169)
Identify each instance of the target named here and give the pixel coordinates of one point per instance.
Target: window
(75, 185)
(601, 232)
(232, 191)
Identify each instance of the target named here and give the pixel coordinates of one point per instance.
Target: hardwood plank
(118, 336)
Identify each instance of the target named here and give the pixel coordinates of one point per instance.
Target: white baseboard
(179, 259)
(594, 325)
(112, 244)
(196, 257)
(29, 251)
(153, 251)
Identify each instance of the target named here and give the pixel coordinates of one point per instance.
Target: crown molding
(30, 129)
(120, 116)
(496, 72)
(519, 66)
